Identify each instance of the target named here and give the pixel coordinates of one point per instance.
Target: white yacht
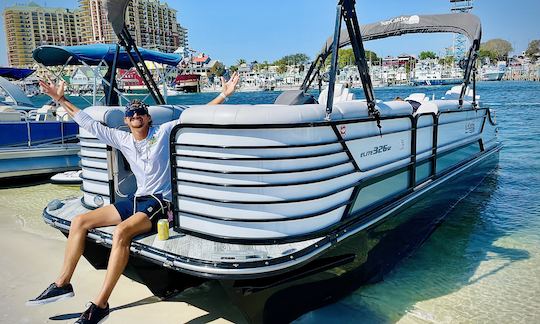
(431, 73)
(493, 73)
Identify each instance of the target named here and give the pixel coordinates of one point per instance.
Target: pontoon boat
(294, 204)
(34, 141)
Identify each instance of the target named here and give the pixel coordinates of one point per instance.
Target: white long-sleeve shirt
(148, 158)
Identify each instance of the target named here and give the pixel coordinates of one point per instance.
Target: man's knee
(80, 222)
(121, 235)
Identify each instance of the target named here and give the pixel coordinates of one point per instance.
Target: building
(94, 25)
(200, 64)
(152, 23)
(30, 26)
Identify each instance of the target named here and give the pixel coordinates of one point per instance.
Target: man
(147, 151)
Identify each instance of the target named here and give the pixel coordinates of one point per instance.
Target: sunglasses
(138, 111)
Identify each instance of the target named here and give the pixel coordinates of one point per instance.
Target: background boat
(493, 73)
(35, 140)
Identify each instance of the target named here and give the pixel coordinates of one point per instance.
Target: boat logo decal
(343, 130)
(408, 20)
(469, 127)
(376, 150)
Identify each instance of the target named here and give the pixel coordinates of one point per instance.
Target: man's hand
(228, 89)
(230, 86)
(56, 92)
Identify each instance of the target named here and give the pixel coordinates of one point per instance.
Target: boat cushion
(10, 116)
(455, 92)
(417, 96)
(438, 105)
(253, 114)
(341, 94)
(286, 114)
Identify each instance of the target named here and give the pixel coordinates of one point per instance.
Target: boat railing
(221, 172)
(28, 116)
(28, 132)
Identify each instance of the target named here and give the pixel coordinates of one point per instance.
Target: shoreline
(30, 263)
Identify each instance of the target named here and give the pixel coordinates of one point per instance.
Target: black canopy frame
(116, 11)
(354, 35)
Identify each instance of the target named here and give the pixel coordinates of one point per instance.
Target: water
(481, 265)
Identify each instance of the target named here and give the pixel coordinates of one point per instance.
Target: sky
(268, 30)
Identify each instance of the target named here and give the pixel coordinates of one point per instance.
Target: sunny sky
(267, 30)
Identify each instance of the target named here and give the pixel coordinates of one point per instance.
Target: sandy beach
(32, 255)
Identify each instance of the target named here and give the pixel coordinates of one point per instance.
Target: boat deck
(179, 245)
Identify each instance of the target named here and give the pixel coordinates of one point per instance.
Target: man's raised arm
(110, 136)
(56, 92)
(228, 88)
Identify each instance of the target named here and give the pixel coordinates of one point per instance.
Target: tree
(233, 68)
(281, 68)
(346, 57)
(448, 60)
(241, 61)
(293, 59)
(498, 46)
(484, 54)
(261, 66)
(533, 50)
(372, 56)
(424, 55)
(217, 69)
(290, 60)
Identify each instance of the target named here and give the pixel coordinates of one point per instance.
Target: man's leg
(104, 216)
(123, 234)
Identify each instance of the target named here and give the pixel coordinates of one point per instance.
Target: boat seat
(426, 108)
(341, 94)
(62, 114)
(7, 109)
(455, 92)
(253, 114)
(45, 113)
(418, 96)
(8, 114)
(436, 106)
(359, 109)
(286, 114)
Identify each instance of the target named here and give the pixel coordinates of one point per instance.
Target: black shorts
(153, 206)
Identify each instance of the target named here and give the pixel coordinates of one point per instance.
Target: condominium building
(94, 25)
(152, 24)
(28, 27)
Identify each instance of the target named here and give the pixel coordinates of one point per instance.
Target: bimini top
(460, 23)
(17, 95)
(50, 55)
(15, 73)
(116, 13)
